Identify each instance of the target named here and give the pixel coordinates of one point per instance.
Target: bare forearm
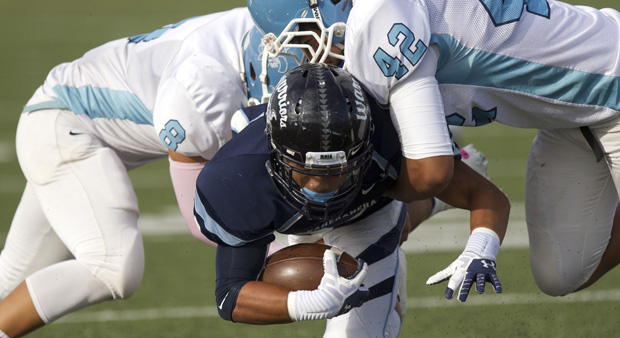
(261, 303)
(490, 211)
(488, 205)
(417, 212)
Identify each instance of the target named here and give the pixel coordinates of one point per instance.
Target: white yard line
(516, 299)
(448, 230)
(413, 303)
(136, 315)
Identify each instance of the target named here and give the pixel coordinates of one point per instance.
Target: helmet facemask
(285, 22)
(261, 71)
(318, 50)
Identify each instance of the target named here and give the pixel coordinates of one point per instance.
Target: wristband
(290, 304)
(483, 242)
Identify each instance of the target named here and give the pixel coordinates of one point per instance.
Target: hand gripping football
(300, 266)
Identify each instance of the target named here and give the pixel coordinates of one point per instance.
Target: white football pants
(74, 237)
(570, 204)
(377, 317)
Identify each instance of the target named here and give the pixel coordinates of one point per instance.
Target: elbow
(490, 192)
(224, 315)
(422, 179)
(223, 304)
(435, 181)
(226, 293)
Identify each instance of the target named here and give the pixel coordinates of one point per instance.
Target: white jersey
(531, 64)
(175, 88)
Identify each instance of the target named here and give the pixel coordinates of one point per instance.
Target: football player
(318, 163)
(74, 239)
(423, 58)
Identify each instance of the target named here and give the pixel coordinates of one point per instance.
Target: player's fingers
(329, 263)
(453, 284)
(455, 281)
(480, 282)
(360, 274)
(465, 286)
(442, 275)
(449, 293)
(497, 286)
(437, 278)
(358, 298)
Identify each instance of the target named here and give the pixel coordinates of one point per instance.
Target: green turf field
(176, 297)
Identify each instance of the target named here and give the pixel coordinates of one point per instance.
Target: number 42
(392, 66)
(501, 13)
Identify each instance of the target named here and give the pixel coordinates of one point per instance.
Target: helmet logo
(317, 14)
(326, 132)
(329, 158)
(360, 102)
(281, 90)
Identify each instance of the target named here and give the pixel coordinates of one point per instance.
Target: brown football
(300, 266)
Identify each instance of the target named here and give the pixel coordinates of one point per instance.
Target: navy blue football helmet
(318, 123)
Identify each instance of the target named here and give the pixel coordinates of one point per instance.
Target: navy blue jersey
(237, 202)
(238, 206)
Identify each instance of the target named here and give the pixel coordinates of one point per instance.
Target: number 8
(172, 134)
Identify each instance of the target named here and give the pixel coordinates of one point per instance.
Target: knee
(127, 283)
(552, 285)
(130, 268)
(556, 280)
(121, 271)
(559, 260)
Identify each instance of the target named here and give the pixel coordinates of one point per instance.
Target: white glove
(477, 262)
(475, 160)
(335, 295)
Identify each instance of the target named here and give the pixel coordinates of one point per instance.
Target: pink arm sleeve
(183, 176)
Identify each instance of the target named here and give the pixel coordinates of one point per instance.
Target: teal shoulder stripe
(56, 104)
(461, 65)
(212, 226)
(104, 103)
